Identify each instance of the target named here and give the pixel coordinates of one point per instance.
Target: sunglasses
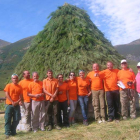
(138, 66)
(72, 75)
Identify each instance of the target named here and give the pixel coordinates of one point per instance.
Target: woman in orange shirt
(63, 98)
(83, 93)
(72, 83)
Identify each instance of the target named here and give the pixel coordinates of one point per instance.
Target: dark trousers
(83, 101)
(52, 112)
(12, 113)
(63, 106)
(113, 102)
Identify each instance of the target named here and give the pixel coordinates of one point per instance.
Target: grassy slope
(124, 130)
(11, 56)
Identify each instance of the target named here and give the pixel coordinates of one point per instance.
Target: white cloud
(123, 18)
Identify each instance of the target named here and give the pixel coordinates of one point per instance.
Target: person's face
(60, 78)
(26, 74)
(124, 65)
(72, 76)
(15, 79)
(95, 67)
(81, 74)
(138, 67)
(109, 66)
(35, 77)
(50, 75)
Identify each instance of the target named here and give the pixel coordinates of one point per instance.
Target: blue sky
(119, 20)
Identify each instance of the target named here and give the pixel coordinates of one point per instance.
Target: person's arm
(55, 94)
(20, 100)
(89, 90)
(9, 98)
(46, 92)
(33, 96)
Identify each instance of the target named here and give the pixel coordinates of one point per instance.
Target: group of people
(45, 101)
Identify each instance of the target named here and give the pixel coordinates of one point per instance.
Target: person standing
(128, 93)
(50, 88)
(35, 91)
(137, 79)
(63, 98)
(73, 93)
(26, 105)
(109, 77)
(98, 96)
(13, 93)
(83, 94)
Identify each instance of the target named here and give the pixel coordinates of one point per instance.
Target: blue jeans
(83, 100)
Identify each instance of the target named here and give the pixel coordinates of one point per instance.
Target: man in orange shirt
(26, 106)
(12, 113)
(98, 96)
(50, 88)
(127, 93)
(112, 91)
(35, 91)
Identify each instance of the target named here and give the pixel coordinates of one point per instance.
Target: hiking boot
(7, 136)
(117, 120)
(103, 120)
(49, 128)
(110, 120)
(57, 127)
(124, 118)
(133, 117)
(85, 123)
(99, 121)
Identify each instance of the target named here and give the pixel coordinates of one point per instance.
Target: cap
(123, 61)
(138, 64)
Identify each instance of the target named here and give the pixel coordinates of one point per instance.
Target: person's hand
(130, 70)
(37, 95)
(13, 103)
(51, 100)
(89, 94)
(20, 103)
(53, 96)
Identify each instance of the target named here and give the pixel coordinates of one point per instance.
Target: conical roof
(69, 42)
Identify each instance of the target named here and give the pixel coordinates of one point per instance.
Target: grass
(2, 94)
(124, 130)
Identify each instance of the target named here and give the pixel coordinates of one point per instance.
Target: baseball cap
(123, 61)
(138, 64)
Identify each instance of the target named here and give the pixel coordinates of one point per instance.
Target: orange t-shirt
(63, 96)
(96, 82)
(14, 91)
(50, 85)
(110, 79)
(126, 76)
(24, 84)
(82, 86)
(36, 88)
(72, 89)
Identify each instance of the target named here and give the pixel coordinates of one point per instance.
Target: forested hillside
(10, 56)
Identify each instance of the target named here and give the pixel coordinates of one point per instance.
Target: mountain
(3, 43)
(10, 56)
(69, 42)
(131, 50)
